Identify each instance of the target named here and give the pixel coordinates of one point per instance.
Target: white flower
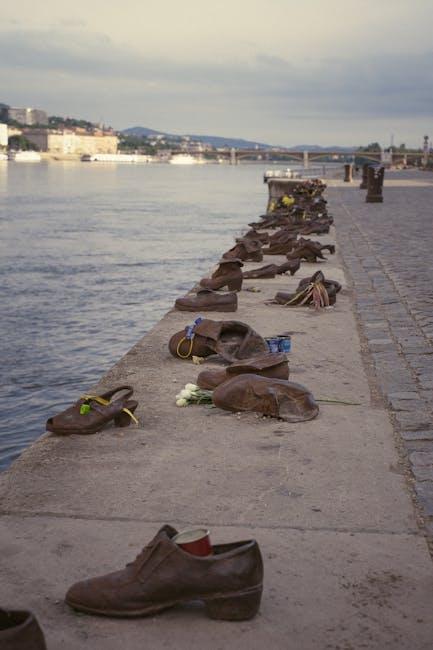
(186, 394)
(191, 387)
(181, 402)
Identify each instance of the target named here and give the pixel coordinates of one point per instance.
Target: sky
(283, 72)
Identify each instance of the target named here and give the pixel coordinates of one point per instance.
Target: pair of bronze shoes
(92, 412)
(271, 270)
(315, 290)
(229, 581)
(260, 384)
(19, 630)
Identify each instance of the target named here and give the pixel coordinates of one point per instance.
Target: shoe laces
(144, 554)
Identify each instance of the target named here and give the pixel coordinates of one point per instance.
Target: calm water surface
(92, 256)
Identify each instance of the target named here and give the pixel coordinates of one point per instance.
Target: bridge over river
(305, 157)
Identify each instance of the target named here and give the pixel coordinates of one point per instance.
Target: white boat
(279, 173)
(185, 159)
(116, 157)
(24, 156)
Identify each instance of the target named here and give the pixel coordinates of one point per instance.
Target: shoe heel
(122, 419)
(234, 608)
(235, 285)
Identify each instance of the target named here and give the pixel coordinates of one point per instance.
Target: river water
(92, 256)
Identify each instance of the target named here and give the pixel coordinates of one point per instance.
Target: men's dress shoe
(208, 300)
(273, 364)
(275, 397)
(19, 630)
(229, 581)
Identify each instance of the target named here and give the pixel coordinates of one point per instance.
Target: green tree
(20, 143)
(373, 146)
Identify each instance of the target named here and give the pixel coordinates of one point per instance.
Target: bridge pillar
(306, 160)
(233, 159)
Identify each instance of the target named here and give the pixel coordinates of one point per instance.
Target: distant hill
(214, 140)
(218, 141)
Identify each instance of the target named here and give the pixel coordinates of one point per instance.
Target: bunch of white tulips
(192, 394)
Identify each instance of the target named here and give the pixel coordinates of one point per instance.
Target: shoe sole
(239, 606)
(214, 308)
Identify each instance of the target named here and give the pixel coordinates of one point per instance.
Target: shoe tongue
(165, 531)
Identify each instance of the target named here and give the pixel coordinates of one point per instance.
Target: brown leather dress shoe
(276, 397)
(228, 582)
(274, 364)
(207, 300)
(19, 630)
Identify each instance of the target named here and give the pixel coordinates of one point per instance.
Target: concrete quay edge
(328, 500)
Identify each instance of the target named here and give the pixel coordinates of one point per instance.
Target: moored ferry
(186, 159)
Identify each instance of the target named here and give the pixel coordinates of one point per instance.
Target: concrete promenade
(330, 501)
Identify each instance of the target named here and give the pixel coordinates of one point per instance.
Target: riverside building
(72, 141)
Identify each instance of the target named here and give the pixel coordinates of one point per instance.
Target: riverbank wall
(346, 565)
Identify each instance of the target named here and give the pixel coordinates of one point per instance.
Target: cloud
(90, 70)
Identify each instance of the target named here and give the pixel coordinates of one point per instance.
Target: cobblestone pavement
(388, 252)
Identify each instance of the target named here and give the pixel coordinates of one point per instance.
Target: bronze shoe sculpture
(275, 397)
(262, 237)
(316, 245)
(207, 300)
(229, 581)
(227, 274)
(292, 266)
(306, 251)
(231, 339)
(279, 248)
(314, 290)
(92, 412)
(19, 630)
(262, 273)
(246, 250)
(271, 270)
(273, 364)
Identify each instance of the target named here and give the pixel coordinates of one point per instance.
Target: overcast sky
(279, 71)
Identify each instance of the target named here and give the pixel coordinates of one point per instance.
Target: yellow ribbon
(184, 356)
(106, 402)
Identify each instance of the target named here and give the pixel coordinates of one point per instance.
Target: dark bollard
(348, 168)
(375, 184)
(363, 185)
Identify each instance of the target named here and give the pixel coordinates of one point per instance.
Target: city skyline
(334, 74)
